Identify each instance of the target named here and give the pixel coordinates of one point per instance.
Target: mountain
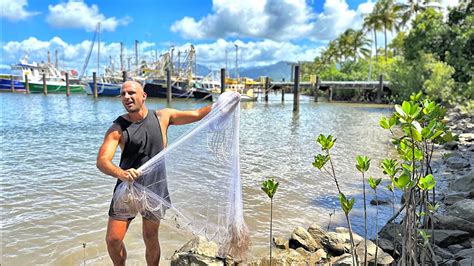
(276, 71)
(202, 70)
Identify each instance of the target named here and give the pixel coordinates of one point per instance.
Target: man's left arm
(185, 117)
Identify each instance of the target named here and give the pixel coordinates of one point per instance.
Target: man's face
(132, 97)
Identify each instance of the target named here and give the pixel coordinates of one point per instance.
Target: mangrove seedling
(320, 160)
(363, 164)
(270, 187)
(374, 184)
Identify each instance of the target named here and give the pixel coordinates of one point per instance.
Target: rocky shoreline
(454, 221)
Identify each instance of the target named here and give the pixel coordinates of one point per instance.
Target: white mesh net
(204, 159)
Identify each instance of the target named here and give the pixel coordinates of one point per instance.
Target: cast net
(194, 183)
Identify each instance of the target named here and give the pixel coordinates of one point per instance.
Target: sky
(265, 31)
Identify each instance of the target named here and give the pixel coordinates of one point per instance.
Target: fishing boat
(6, 84)
(55, 81)
(157, 88)
(104, 89)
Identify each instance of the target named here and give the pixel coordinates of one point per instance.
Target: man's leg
(116, 230)
(150, 236)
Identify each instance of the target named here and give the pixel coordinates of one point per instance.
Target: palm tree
(388, 17)
(411, 8)
(372, 23)
(360, 43)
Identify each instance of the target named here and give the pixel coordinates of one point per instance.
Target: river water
(53, 200)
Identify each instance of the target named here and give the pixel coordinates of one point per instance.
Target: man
(128, 132)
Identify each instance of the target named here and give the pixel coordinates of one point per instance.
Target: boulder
(301, 238)
(392, 232)
(445, 238)
(379, 202)
(280, 242)
(455, 248)
(317, 233)
(467, 137)
(463, 209)
(444, 254)
(466, 262)
(198, 251)
(287, 257)
(452, 145)
(345, 232)
(457, 162)
(343, 260)
(382, 257)
(452, 198)
(465, 254)
(335, 243)
(386, 245)
(453, 223)
(464, 183)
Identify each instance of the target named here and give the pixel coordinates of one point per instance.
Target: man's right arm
(106, 154)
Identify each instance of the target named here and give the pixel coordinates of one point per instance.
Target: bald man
(128, 132)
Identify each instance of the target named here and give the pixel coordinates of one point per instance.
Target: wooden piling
(45, 88)
(380, 89)
(282, 93)
(94, 80)
(27, 85)
(12, 83)
(296, 89)
(330, 94)
(124, 76)
(68, 89)
(267, 86)
(222, 80)
(316, 88)
(168, 86)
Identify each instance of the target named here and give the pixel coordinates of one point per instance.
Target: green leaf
(346, 204)
(401, 181)
(270, 187)
(406, 107)
(326, 142)
(390, 187)
(384, 123)
(374, 182)
(320, 160)
(427, 182)
(363, 163)
(400, 111)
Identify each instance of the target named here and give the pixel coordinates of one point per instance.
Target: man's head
(132, 95)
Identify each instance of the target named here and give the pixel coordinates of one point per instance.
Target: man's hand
(129, 175)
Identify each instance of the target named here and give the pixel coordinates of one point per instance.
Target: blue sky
(266, 31)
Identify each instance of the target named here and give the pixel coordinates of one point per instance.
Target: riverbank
(454, 228)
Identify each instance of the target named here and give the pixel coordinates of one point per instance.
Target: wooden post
(12, 83)
(282, 93)
(316, 89)
(45, 88)
(380, 89)
(330, 94)
(267, 86)
(68, 89)
(222, 80)
(168, 86)
(296, 90)
(124, 76)
(94, 87)
(27, 85)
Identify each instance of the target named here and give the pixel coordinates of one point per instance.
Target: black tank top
(142, 140)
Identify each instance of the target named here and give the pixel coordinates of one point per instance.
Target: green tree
(389, 17)
(270, 187)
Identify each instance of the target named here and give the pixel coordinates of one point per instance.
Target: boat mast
(121, 56)
(98, 48)
(136, 55)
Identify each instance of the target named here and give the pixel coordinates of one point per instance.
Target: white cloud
(77, 14)
(212, 55)
(279, 20)
(14, 10)
(71, 56)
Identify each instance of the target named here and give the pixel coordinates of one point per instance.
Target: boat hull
(5, 85)
(105, 89)
(158, 90)
(55, 88)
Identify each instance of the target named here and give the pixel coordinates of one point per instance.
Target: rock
(465, 183)
(343, 260)
(319, 255)
(455, 248)
(452, 198)
(335, 243)
(345, 232)
(452, 145)
(454, 223)
(280, 242)
(317, 233)
(392, 232)
(445, 254)
(463, 209)
(466, 262)
(457, 162)
(445, 238)
(301, 238)
(467, 137)
(379, 202)
(382, 257)
(198, 251)
(451, 263)
(465, 254)
(287, 257)
(386, 245)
